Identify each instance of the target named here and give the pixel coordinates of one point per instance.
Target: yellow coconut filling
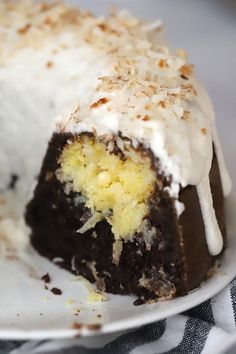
(114, 189)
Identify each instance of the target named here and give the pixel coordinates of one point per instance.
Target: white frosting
(30, 100)
(214, 237)
(225, 179)
(116, 76)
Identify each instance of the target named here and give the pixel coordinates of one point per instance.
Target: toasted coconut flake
(91, 223)
(49, 64)
(186, 69)
(100, 102)
(24, 29)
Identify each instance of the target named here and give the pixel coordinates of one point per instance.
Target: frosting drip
(213, 235)
(225, 179)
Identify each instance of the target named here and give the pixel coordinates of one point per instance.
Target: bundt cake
(131, 190)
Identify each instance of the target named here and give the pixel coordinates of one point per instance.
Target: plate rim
(208, 288)
(120, 325)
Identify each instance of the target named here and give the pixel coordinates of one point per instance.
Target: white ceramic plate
(29, 311)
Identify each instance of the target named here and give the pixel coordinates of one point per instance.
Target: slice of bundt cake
(130, 191)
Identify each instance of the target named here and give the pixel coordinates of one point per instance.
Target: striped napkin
(206, 328)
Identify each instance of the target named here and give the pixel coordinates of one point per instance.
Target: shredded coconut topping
(146, 77)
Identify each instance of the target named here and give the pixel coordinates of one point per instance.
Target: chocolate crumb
(56, 291)
(138, 302)
(99, 315)
(94, 326)
(77, 325)
(46, 278)
(184, 77)
(13, 181)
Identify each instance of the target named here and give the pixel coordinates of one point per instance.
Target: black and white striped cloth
(207, 328)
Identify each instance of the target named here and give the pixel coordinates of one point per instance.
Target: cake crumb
(13, 181)
(77, 325)
(56, 291)
(94, 326)
(76, 312)
(91, 326)
(46, 278)
(70, 301)
(138, 302)
(95, 296)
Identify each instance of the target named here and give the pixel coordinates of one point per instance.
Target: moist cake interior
(115, 186)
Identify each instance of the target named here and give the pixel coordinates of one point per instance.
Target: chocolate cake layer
(174, 262)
